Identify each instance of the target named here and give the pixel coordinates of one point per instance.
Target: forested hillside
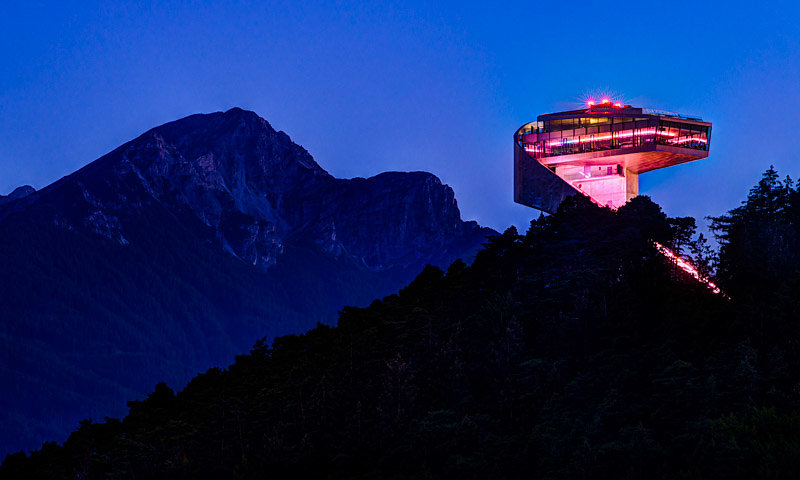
(572, 350)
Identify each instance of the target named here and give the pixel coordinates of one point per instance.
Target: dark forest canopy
(572, 351)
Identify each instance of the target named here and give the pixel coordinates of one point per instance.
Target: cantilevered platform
(599, 152)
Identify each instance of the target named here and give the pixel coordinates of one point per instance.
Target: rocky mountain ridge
(178, 250)
(18, 193)
(254, 188)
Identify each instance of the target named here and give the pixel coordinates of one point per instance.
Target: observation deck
(600, 151)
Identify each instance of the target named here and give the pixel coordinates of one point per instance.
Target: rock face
(255, 190)
(19, 192)
(179, 249)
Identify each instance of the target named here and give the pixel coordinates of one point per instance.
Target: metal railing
(666, 113)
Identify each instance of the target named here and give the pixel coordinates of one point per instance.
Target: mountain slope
(19, 192)
(175, 251)
(573, 351)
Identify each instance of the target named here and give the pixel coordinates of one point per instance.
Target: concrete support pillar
(631, 184)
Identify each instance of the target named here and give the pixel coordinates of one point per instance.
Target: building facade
(599, 152)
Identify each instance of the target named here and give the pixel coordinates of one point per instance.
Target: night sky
(370, 87)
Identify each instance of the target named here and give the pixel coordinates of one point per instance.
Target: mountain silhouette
(178, 249)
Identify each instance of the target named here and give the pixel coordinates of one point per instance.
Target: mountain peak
(253, 189)
(238, 111)
(217, 124)
(19, 192)
(232, 153)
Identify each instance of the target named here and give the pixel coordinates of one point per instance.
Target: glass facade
(600, 151)
(566, 136)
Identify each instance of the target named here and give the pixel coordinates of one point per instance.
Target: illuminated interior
(600, 150)
(605, 184)
(591, 134)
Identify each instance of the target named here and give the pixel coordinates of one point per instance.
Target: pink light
(609, 136)
(687, 267)
(618, 105)
(689, 139)
(590, 103)
(605, 100)
(623, 134)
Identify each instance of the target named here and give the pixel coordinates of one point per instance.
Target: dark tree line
(570, 351)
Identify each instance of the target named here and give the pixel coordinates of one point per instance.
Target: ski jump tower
(600, 151)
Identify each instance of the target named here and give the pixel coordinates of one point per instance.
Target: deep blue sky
(373, 86)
